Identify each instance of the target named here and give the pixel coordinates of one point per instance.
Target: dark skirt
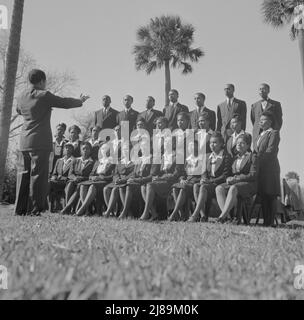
(191, 181)
(245, 189)
(57, 185)
(161, 188)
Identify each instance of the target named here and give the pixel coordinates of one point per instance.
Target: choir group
(235, 166)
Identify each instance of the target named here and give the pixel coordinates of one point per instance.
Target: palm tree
(166, 41)
(281, 12)
(9, 84)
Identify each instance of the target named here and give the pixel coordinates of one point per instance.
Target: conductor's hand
(84, 98)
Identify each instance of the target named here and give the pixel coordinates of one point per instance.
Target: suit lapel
(109, 113)
(149, 117)
(244, 161)
(218, 164)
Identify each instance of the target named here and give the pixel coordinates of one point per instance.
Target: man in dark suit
(106, 118)
(266, 104)
(227, 109)
(200, 99)
(150, 115)
(173, 109)
(35, 106)
(128, 114)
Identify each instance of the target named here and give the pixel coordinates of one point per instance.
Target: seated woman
(242, 183)
(59, 177)
(140, 176)
(164, 176)
(269, 186)
(218, 169)
(101, 175)
(183, 191)
(204, 132)
(123, 172)
(74, 132)
(95, 142)
(79, 172)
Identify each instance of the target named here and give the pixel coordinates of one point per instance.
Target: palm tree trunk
(167, 81)
(9, 85)
(301, 45)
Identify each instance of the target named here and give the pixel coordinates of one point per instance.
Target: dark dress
(246, 176)
(268, 164)
(165, 176)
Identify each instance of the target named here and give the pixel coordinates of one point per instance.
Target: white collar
(231, 100)
(216, 156)
(235, 135)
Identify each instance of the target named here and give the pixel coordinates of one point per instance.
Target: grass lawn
(55, 257)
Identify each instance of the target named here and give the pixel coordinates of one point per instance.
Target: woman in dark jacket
(101, 175)
(269, 186)
(59, 178)
(242, 183)
(218, 169)
(123, 171)
(79, 172)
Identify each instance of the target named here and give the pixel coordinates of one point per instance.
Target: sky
(94, 39)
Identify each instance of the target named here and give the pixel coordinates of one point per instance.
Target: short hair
(163, 119)
(174, 90)
(230, 85)
(152, 98)
(127, 95)
(61, 125)
(292, 175)
(269, 115)
(87, 144)
(237, 117)
(218, 135)
(96, 127)
(140, 119)
(201, 95)
(69, 144)
(76, 128)
(185, 115)
(204, 115)
(246, 137)
(35, 76)
(266, 85)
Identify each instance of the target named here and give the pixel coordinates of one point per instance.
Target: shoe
(204, 219)
(222, 220)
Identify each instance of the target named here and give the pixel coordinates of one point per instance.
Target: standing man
(128, 114)
(200, 99)
(227, 109)
(150, 115)
(106, 118)
(266, 104)
(35, 106)
(173, 109)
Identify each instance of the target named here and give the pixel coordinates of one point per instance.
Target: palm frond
(187, 68)
(276, 12)
(151, 66)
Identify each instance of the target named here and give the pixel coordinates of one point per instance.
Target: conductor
(35, 106)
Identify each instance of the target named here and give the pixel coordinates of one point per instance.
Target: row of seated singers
(228, 175)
